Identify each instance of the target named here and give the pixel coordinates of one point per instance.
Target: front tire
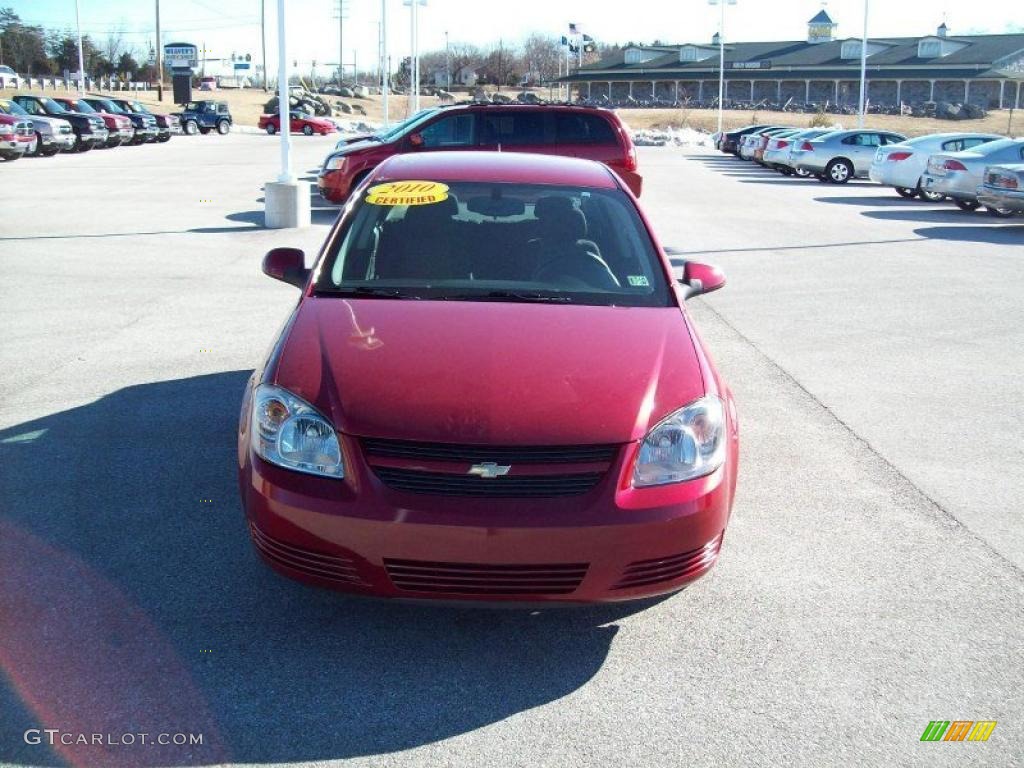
(966, 205)
(929, 197)
(802, 173)
(191, 127)
(1002, 213)
(308, 130)
(905, 192)
(223, 126)
(271, 129)
(839, 171)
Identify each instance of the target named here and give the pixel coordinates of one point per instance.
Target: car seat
(562, 256)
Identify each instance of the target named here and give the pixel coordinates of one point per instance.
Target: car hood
(489, 372)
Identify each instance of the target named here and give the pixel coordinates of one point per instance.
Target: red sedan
(300, 123)
(490, 389)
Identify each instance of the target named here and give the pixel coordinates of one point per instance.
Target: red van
(591, 133)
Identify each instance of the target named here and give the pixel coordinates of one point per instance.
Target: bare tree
(542, 57)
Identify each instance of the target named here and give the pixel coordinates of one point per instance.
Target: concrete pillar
(778, 91)
(652, 89)
(752, 90)
(967, 90)
(931, 93)
(590, 85)
(807, 91)
(899, 92)
(837, 92)
(1002, 88)
(700, 90)
(631, 89)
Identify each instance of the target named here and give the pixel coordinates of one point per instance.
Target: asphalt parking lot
(872, 578)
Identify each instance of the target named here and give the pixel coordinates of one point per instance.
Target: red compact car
(490, 389)
(552, 129)
(300, 122)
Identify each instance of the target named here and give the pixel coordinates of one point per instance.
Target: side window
(975, 141)
(583, 129)
(854, 139)
(891, 138)
(870, 140)
(451, 131)
(512, 128)
(29, 106)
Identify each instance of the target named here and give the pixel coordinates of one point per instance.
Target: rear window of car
(576, 128)
(513, 128)
(495, 242)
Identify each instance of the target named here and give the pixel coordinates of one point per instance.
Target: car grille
(544, 454)
(485, 579)
(307, 561)
(508, 486)
(643, 573)
(533, 473)
(24, 128)
(64, 129)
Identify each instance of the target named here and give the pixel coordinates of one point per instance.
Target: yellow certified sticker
(407, 193)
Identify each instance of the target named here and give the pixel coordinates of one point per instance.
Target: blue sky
(232, 26)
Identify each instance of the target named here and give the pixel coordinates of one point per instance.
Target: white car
(9, 78)
(778, 153)
(901, 165)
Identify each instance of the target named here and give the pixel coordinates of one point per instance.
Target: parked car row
(972, 170)
(550, 129)
(44, 125)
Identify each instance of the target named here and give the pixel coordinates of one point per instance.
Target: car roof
(502, 167)
(487, 106)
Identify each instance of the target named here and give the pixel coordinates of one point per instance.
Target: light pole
(159, 58)
(283, 100)
(721, 55)
(385, 61)
(414, 61)
(81, 57)
(863, 69)
(263, 40)
(447, 62)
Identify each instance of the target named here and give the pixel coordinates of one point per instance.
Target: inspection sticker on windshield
(638, 281)
(407, 193)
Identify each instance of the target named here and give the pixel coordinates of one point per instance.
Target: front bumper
(334, 185)
(1003, 199)
(359, 535)
(13, 146)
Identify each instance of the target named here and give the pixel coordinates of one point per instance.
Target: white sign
(181, 55)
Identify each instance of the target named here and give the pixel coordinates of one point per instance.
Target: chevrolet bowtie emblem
(489, 469)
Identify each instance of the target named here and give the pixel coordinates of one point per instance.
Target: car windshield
(995, 146)
(12, 108)
(399, 128)
(495, 242)
(137, 107)
(107, 105)
(83, 106)
(52, 106)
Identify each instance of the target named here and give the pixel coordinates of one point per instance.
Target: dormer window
(695, 53)
(851, 49)
(929, 49)
(639, 55)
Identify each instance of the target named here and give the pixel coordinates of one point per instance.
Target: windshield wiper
(370, 291)
(524, 296)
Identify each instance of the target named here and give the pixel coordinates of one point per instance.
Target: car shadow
(892, 200)
(133, 603)
(948, 213)
(1012, 234)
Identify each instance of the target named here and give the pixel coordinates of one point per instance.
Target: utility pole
(81, 56)
(263, 39)
(159, 58)
(415, 58)
(342, 11)
(447, 62)
(283, 101)
(721, 56)
(863, 70)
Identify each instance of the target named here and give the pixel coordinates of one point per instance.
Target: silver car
(750, 142)
(901, 165)
(842, 155)
(957, 175)
(52, 133)
(1002, 189)
(778, 152)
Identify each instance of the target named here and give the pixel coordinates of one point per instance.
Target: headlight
(6, 128)
(690, 443)
(334, 162)
(288, 431)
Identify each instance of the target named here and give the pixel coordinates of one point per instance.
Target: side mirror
(701, 278)
(287, 265)
(415, 140)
